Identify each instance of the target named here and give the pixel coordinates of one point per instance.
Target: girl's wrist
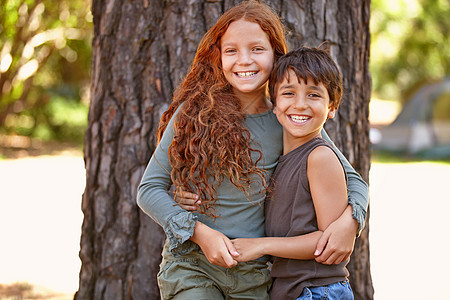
(199, 231)
(354, 223)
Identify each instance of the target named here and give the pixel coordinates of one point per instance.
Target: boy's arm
(358, 190)
(329, 193)
(296, 247)
(327, 185)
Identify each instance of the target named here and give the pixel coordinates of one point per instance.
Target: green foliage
(441, 111)
(44, 68)
(63, 118)
(410, 45)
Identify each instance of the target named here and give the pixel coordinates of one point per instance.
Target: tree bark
(141, 51)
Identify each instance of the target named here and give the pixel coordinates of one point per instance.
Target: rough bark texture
(141, 51)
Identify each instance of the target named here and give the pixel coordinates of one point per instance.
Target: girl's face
(247, 57)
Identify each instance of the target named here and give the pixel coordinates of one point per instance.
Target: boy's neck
(290, 143)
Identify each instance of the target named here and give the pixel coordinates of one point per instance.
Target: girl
(220, 140)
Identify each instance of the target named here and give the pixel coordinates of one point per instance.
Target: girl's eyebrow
(255, 42)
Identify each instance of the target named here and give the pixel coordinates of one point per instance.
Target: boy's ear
(275, 109)
(331, 113)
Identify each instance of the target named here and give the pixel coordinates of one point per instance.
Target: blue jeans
(335, 291)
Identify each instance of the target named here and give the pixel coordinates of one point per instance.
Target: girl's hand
(217, 248)
(338, 240)
(186, 200)
(248, 249)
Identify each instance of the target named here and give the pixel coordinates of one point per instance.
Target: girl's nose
(244, 58)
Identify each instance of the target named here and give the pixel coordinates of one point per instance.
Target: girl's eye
(287, 94)
(229, 51)
(258, 49)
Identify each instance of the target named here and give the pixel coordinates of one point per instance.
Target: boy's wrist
(266, 246)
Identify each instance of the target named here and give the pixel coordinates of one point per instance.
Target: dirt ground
(40, 221)
(40, 226)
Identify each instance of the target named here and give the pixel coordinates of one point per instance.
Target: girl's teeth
(245, 74)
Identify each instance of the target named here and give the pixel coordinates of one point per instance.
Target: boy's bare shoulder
(321, 153)
(322, 158)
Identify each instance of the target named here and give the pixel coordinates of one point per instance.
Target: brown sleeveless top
(290, 212)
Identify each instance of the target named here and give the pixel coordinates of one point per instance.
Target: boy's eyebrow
(315, 87)
(286, 86)
(290, 85)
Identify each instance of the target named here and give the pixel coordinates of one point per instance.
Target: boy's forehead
(288, 75)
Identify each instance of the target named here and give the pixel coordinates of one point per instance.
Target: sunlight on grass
(25, 290)
(392, 158)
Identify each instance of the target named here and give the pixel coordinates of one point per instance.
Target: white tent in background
(423, 125)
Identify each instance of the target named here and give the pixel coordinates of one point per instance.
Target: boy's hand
(248, 249)
(186, 200)
(338, 240)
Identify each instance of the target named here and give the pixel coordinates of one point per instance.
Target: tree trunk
(141, 51)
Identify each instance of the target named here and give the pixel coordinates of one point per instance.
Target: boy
(309, 184)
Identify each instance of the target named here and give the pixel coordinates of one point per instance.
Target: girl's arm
(154, 199)
(179, 225)
(329, 193)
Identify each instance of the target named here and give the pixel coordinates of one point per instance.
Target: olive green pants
(192, 276)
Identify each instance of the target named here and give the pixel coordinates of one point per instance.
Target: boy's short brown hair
(309, 63)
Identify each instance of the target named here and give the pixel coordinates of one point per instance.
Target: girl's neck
(253, 104)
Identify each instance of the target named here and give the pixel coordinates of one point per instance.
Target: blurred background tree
(45, 51)
(44, 68)
(410, 46)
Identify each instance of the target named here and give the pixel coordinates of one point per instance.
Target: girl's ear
(331, 113)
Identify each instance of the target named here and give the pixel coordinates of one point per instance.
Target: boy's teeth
(299, 118)
(246, 74)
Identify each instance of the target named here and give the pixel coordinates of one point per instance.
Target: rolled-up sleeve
(154, 199)
(357, 188)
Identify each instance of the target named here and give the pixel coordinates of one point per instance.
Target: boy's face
(301, 108)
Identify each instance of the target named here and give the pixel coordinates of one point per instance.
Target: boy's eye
(314, 95)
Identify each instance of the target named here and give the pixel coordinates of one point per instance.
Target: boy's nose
(300, 102)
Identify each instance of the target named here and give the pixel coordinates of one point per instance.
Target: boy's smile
(302, 109)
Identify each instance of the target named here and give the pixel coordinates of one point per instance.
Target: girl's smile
(247, 59)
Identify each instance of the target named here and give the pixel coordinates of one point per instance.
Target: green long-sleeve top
(241, 215)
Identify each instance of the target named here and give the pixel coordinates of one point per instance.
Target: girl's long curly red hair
(210, 141)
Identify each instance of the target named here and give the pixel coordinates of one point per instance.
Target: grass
(24, 290)
(13, 147)
(384, 157)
